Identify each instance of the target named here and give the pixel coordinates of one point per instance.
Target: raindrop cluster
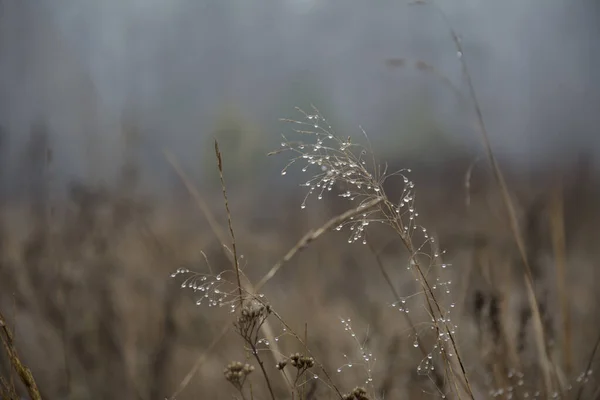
(364, 359)
(211, 288)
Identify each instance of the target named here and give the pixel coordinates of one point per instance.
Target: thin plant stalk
(438, 379)
(236, 265)
(499, 177)
(558, 242)
(23, 372)
(236, 261)
(313, 235)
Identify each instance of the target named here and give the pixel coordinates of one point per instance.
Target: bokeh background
(94, 218)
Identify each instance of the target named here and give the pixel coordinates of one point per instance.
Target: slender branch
(236, 261)
(314, 234)
(439, 380)
(236, 264)
(512, 214)
(200, 202)
(261, 364)
(24, 373)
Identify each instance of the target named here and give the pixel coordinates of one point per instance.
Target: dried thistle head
(301, 362)
(236, 373)
(254, 309)
(253, 314)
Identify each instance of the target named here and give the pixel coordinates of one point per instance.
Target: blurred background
(94, 218)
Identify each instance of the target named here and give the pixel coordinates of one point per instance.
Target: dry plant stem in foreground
(315, 234)
(254, 311)
(431, 300)
(341, 166)
(439, 380)
(541, 342)
(303, 342)
(236, 261)
(24, 373)
(309, 237)
(202, 205)
(248, 325)
(214, 225)
(558, 243)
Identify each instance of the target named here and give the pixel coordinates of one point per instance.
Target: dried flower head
(302, 362)
(254, 310)
(281, 365)
(253, 315)
(236, 373)
(358, 393)
(351, 169)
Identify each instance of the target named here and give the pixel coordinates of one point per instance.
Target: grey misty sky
(81, 64)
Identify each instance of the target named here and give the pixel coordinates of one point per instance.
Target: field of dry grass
(87, 295)
(466, 278)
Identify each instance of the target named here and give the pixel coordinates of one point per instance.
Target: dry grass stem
(210, 218)
(236, 261)
(545, 361)
(315, 234)
(558, 242)
(22, 371)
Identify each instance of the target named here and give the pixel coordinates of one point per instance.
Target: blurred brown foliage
(85, 282)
